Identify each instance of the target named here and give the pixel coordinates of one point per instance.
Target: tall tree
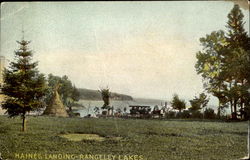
(23, 84)
(237, 36)
(210, 65)
(177, 103)
(224, 63)
(237, 59)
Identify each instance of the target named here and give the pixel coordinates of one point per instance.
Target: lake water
(90, 105)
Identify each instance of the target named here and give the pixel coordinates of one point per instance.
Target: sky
(143, 49)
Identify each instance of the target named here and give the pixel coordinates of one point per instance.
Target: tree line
(224, 64)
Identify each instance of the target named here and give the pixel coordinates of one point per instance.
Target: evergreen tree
(236, 36)
(237, 60)
(23, 85)
(177, 103)
(224, 64)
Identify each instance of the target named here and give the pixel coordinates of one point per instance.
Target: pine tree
(236, 58)
(23, 85)
(237, 36)
(224, 64)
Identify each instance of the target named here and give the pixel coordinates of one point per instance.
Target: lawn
(125, 139)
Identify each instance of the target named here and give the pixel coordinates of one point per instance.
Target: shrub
(196, 114)
(184, 114)
(209, 113)
(170, 114)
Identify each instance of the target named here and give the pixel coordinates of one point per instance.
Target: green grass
(153, 139)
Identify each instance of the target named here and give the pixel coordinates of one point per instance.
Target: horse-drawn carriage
(140, 111)
(145, 111)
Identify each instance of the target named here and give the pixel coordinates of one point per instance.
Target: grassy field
(146, 139)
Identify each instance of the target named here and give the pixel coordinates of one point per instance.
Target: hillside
(89, 94)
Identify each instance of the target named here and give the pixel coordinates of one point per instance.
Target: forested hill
(88, 94)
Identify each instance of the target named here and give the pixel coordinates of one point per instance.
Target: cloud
(144, 65)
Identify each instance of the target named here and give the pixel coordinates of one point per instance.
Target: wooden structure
(56, 107)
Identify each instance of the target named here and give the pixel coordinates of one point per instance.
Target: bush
(209, 113)
(170, 114)
(196, 114)
(184, 114)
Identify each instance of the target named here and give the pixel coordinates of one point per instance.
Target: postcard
(125, 80)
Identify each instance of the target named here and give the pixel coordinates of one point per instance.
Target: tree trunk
(24, 122)
(235, 102)
(231, 107)
(235, 109)
(219, 108)
(218, 113)
(231, 102)
(203, 112)
(241, 108)
(241, 102)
